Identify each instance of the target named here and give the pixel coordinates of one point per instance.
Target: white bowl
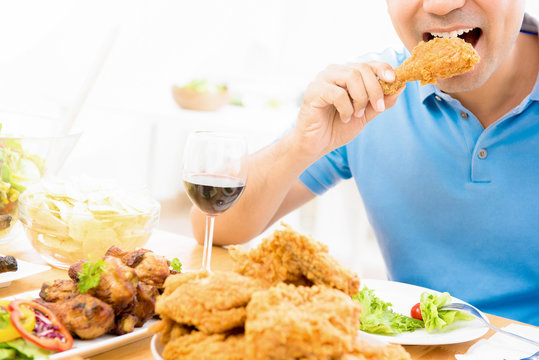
(32, 147)
(157, 347)
(67, 221)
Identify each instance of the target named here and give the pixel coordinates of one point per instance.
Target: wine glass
(214, 175)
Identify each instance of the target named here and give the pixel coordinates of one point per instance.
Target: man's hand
(339, 103)
(336, 107)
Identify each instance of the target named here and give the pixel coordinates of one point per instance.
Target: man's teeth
(451, 34)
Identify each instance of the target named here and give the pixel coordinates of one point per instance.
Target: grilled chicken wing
(58, 290)
(117, 285)
(83, 315)
(145, 305)
(150, 268)
(8, 263)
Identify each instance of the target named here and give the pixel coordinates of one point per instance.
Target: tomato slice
(416, 312)
(9, 332)
(60, 343)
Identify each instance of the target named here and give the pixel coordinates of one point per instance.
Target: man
(449, 174)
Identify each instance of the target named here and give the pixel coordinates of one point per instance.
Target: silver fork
(533, 357)
(473, 311)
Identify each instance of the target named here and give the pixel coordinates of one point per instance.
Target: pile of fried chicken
(286, 299)
(123, 299)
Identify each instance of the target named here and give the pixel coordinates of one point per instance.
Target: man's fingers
(331, 94)
(389, 101)
(358, 92)
(354, 89)
(383, 70)
(349, 79)
(392, 99)
(372, 87)
(361, 82)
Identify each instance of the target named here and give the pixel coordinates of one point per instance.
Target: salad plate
(95, 346)
(403, 297)
(24, 269)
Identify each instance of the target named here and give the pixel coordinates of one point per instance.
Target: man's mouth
(470, 35)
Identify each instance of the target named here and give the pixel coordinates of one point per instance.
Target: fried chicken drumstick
(431, 60)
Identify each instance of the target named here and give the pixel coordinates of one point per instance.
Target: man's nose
(442, 7)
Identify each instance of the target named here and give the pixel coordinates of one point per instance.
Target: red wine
(213, 194)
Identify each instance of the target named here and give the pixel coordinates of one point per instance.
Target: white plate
(403, 297)
(24, 269)
(95, 346)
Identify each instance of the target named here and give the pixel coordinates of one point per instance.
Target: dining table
(189, 252)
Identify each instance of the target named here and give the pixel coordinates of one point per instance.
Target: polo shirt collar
(529, 24)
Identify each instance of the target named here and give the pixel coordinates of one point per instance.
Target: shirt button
(464, 115)
(438, 98)
(482, 153)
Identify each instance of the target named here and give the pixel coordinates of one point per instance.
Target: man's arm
(336, 107)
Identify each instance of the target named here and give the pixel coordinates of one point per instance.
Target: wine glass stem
(208, 243)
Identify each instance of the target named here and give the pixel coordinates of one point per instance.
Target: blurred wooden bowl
(192, 99)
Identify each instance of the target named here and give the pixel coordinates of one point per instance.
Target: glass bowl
(67, 221)
(31, 147)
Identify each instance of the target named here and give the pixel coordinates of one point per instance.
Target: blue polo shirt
(454, 207)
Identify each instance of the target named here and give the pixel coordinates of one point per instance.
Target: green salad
(17, 168)
(377, 317)
(203, 85)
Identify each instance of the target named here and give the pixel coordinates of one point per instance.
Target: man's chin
(459, 84)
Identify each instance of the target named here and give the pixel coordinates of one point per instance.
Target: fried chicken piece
(58, 290)
(150, 268)
(289, 322)
(431, 60)
(290, 257)
(169, 329)
(117, 284)
(365, 351)
(199, 346)
(83, 315)
(212, 303)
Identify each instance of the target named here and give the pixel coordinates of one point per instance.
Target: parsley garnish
(176, 265)
(90, 275)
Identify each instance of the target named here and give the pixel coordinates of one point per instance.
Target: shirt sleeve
(327, 171)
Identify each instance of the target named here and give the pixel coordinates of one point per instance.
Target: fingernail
(380, 106)
(389, 75)
(347, 120)
(360, 113)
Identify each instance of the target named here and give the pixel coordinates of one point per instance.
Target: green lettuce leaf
(377, 317)
(23, 350)
(7, 354)
(176, 265)
(434, 317)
